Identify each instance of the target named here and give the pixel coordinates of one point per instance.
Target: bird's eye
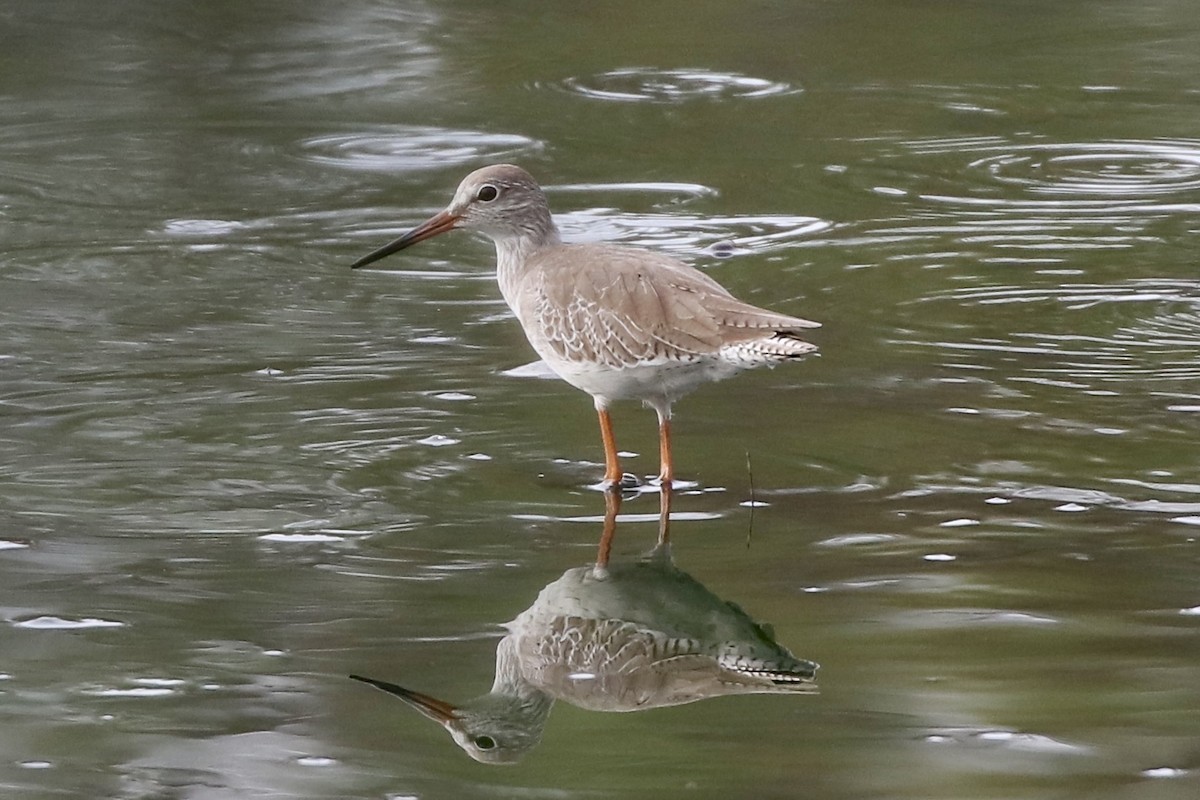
(485, 742)
(487, 193)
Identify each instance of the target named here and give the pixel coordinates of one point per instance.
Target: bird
(618, 322)
(615, 636)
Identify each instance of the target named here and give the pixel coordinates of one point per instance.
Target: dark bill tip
(439, 223)
(437, 710)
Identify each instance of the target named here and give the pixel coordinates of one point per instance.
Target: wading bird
(620, 323)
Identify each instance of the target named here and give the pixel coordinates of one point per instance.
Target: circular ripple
(1106, 169)
(1061, 174)
(688, 234)
(414, 148)
(1029, 201)
(646, 85)
(1152, 336)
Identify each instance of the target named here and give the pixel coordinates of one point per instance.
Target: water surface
(236, 471)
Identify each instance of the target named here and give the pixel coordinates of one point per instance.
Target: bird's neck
(512, 687)
(513, 252)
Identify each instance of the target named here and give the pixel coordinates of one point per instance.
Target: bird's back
(622, 307)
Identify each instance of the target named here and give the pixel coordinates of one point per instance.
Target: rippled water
(237, 472)
(408, 148)
(642, 84)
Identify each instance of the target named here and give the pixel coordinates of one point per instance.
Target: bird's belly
(662, 380)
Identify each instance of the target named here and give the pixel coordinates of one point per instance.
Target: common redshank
(620, 323)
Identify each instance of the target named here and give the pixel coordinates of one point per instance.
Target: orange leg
(666, 471)
(612, 465)
(612, 507)
(664, 514)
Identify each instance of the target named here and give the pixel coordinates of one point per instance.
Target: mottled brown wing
(621, 306)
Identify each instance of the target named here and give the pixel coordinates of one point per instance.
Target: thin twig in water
(753, 500)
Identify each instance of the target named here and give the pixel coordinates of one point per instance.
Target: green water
(235, 471)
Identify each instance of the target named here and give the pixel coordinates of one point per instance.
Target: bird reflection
(614, 636)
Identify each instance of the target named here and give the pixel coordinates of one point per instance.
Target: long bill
(439, 223)
(436, 710)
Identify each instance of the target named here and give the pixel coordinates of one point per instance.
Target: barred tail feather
(778, 346)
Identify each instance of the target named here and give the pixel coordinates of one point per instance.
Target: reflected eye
(487, 193)
(485, 742)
